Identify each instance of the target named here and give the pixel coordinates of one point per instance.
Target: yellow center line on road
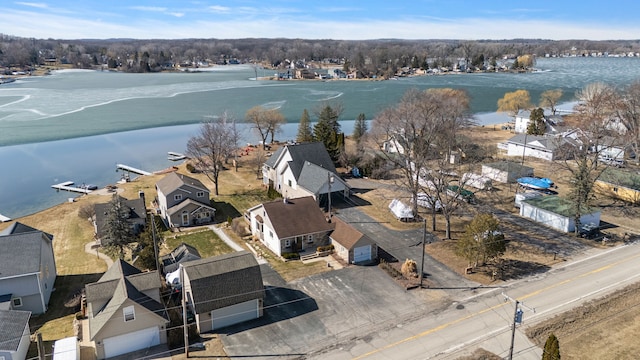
(454, 322)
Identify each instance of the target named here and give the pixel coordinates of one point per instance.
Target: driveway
(324, 312)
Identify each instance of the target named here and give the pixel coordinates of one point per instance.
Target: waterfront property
(223, 290)
(124, 311)
(135, 210)
(289, 225)
(27, 267)
(619, 184)
(542, 147)
(183, 201)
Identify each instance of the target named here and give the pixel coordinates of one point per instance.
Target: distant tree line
(367, 57)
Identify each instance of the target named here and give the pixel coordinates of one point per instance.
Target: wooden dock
(175, 156)
(67, 185)
(4, 218)
(132, 169)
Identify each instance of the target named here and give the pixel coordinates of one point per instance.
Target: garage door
(362, 253)
(234, 314)
(126, 343)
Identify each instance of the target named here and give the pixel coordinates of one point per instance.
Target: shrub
(325, 248)
(393, 272)
(272, 193)
(409, 268)
(191, 168)
(290, 256)
(239, 226)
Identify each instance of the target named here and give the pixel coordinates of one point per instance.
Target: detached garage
(351, 245)
(555, 212)
(126, 343)
(224, 290)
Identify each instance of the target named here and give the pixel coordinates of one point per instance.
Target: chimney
(284, 200)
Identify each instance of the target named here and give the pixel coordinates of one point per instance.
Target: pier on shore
(67, 185)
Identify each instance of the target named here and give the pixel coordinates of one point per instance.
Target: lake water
(76, 125)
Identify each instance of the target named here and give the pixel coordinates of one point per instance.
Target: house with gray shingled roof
(137, 216)
(14, 334)
(124, 311)
(27, 267)
(181, 254)
(184, 201)
(290, 225)
(223, 290)
(301, 170)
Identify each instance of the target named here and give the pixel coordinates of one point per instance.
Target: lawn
(205, 241)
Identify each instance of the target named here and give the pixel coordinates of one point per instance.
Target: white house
(541, 147)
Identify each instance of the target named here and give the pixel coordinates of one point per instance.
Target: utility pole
(184, 313)
(424, 236)
(517, 319)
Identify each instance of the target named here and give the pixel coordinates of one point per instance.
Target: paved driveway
(322, 312)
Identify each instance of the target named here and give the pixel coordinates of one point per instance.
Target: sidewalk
(92, 248)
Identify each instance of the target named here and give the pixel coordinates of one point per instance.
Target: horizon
(350, 20)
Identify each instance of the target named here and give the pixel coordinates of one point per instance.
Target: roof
(137, 211)
(20, 228)
(21, 250)
(188, 202)
(174, 181)
(348, 236)
(557, 205)
(314, 178)
(181, 254)
(295, 217)
(314, 152)
(621, 178)
(224, 280)
(13, 324)
(549, 143)
(121, 282)
(510, 167)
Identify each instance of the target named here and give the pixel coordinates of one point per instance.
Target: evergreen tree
(147, 254)
(305, 134)
(118, 232)
(360, 128)
(551, 348)
(537, 125)
(327, 131)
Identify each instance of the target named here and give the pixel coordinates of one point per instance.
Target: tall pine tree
(360, 128)
(305, 134)
(327, 131)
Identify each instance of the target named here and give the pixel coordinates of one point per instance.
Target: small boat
(535, 183)
(89, 187)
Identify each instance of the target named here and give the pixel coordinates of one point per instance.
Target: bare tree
(628, 112)
(549, 99)
(215, 143)
(265, 122)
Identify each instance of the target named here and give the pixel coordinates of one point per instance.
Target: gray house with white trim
(184, 201)
(14, 334)
(27, 267)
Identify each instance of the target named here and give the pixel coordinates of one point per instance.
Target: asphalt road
(484, 320)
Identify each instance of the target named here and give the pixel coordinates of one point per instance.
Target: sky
(341, 20)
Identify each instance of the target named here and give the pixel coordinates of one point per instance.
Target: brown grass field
(240, 190)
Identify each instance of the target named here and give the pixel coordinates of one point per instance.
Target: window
(129, 313)
(177, 197)
(287, 243)
(289, 183)
(200, 194)
(615, 189)
(17, 302)
(270, 234)
(310, 238)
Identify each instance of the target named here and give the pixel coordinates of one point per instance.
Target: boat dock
(4, 218)
(174, 156)
(67, 185)
(132, 169)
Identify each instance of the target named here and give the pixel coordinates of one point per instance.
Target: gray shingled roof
(548, 142)
(224, 280)
(295, 217)
(13, 324)
(120, 282)
(174, 181)
(181, 254)
(21, 251)
(313, 177)
(179, 207)
(510, 167)
(314, 152)
(137, 211)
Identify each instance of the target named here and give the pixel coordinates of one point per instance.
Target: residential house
(543, 147)
(181, 254)
(223, 290)
(300, 170)
(27, 267)
(124, 311)
(14, 334)
(289, 226)
(506, 171)
(619, 184)
(183, 201)
(136, 216)
(557, 213)
(351, 245)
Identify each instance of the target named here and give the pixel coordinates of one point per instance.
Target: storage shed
(556, 212)
(506, 171)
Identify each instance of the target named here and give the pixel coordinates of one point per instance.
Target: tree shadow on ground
(511, 269)
(225, 210)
